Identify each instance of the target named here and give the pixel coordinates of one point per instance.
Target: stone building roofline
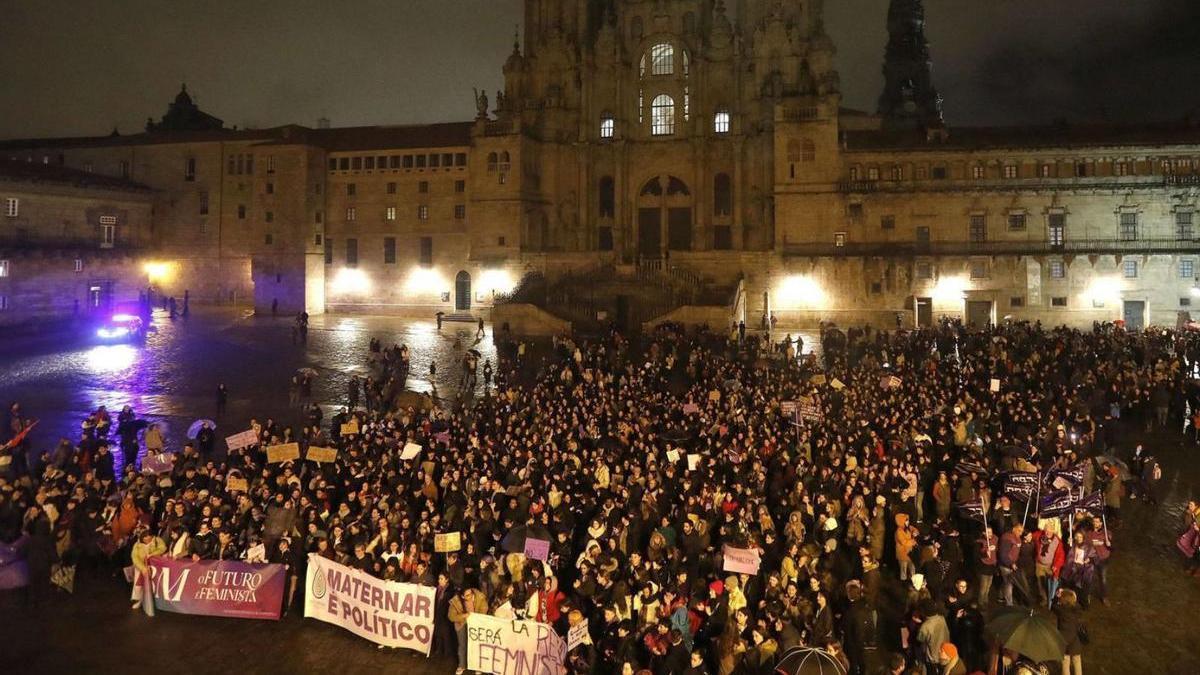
(36, 172)
(1059, 135)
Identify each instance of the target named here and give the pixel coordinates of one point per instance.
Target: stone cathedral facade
(686, 159)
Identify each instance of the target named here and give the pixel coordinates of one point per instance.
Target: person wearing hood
(906, 540)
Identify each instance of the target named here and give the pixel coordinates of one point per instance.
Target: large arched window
(608, 197)
(608, 126)
(662, 115)
(661, 59)
(722, 195)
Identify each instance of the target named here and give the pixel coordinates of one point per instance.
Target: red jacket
(1060, 555)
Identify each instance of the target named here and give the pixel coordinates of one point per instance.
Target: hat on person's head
(949, 652)
(717, 587)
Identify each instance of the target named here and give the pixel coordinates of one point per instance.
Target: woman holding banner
(148, 545)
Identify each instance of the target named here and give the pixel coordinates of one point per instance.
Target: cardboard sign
(537, 549)
(321, 455)
(788, 408)
(243, 440)
(818, 379)
(235, 484)
(837, 384)
(889, 382)
(283, 453)
(410, 451)
(741, 560)
(384, 612)
(578, 635)
(447, 542)
(350, 428)
(809, 410)
(511, 647)
(995, 385)
(693, 462)
(690, 408)
(672, 456)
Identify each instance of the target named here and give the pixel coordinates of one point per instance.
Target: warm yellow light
(950, 288)
(496, 281)
(424, 280)
(1104, 289)
(799, 291)
(159, 272)
(351, 281)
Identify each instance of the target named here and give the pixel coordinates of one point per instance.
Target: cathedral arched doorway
(664, 216)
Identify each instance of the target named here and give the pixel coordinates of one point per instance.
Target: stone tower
(909, 99)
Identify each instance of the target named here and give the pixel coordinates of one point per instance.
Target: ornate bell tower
(909, 99)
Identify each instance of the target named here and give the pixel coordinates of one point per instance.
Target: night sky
(79, 68)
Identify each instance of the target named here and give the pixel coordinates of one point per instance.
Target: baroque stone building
(688, 159)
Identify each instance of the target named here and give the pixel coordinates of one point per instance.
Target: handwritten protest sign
(447, 542)
(282, 453)
(818, 379)
(243, 440)
(321, 455)
(837, 384)
(350, 428)
(889, 382)
(236, 484)
(788, 408)
(156, 464)
(690, 408)
(995, 385)
(693, 462)
(809, 410)
(741, 560)
(537, 549)
(410, 451)
(384, 612)
(508, 647)
(672, 455)
(577, 635)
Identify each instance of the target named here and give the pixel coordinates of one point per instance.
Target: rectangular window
(1187, 269)
(328, 251)
(1058, 269)
(722, 237)
(1057, 233)
(1183, 225)
(3, 303)
(1058, 301)
(853, 173)
(351, 252)
(232, 168)
(124, 169)
(270, 163)
(839, 239)
(88, 167)
(460, 159)
(390, 213)
(1121, 169)
(924, 270)
(422, 212)
(1016, 222)
(394, 162)
(12, 207)
(370, 164)
(434, 161)
(855, 211)
(269, 239)
(317, 217)
(1129, 227)
(189, 169)
(1044, 171)
(391, 188)
(887, 222)
(977, 232)
(351, 189)
(873, 173)
(1016, 301)
(250, 164)
(333, 164)
(979, 269)
(381, 162)
(1010, 170)
(1131, 269)
(408, 161)
(460, 186)
(343, 163)
(241, 212)
(389, 250)
(939, 173)
(423, 187)
(922, 234)
(356, 163)
(447, 159)
(977, 171)
(460, 211)
(108, 235)
(270, 188)
(79, 264)
(420, 161)
(426, 251)
(351, 215)
(896, 173)
(1185, 302)
(4, 268)
(270, 216)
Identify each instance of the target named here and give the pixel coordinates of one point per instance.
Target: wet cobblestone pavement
(1150, 625)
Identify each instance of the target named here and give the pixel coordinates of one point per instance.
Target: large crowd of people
(875, 484)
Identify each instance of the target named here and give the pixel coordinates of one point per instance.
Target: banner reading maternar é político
(508, 647)
(384, 612)
(229, 588)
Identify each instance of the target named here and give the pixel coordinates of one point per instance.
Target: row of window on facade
(106, 223)
(1014, 170)
(424, 251)
(431, 160)
(662, 118)
(1056, 225)
(423, 187)
(980, 268)
(422, 212)
(6, 267)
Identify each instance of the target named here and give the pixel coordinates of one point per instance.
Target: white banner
(508, 647)
(384, 612)
(241, 440)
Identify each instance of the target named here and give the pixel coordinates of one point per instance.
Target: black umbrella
(514, 541)
(809, 661)
(1028, 633)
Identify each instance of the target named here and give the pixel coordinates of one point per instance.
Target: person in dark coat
(677, 659)
(1074, 631)
(40, 553)
(443, 630)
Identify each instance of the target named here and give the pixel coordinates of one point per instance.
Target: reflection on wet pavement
(172, 378)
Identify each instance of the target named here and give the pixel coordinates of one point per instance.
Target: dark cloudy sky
(79, 67)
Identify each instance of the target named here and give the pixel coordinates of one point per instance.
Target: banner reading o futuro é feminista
(384, 612)
(230, 588)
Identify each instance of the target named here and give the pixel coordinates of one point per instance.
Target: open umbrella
(809, 661)
(1123, 472)
(196, 426)
(311, 372)
(1028, 633)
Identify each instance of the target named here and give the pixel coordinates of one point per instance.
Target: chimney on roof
(322, 122)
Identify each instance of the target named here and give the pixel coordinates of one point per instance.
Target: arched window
(608, 126)
(687, 63)
(721, 121)
(662, 115)
(653, 187)
(505, 161)
(677, 187)
(722, 195)
(662, 60)
(493, 158)
(608, 197)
